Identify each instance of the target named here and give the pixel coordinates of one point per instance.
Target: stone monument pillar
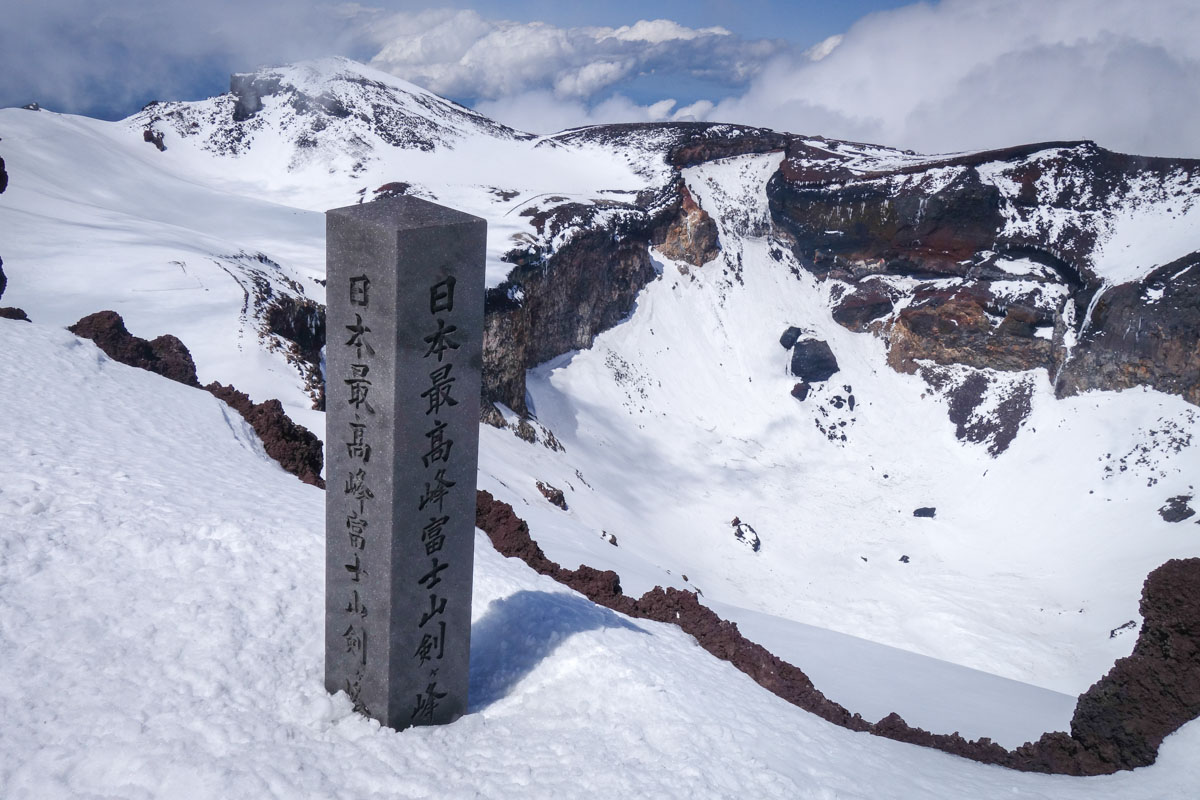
(404, 356)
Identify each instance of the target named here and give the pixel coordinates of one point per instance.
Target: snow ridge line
(1119, 722)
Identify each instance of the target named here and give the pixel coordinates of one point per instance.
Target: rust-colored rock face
(692, 236)
(296, 448)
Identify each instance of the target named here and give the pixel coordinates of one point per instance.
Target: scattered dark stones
(612, 539)
(553, 495)
(929, 512)
(904, 559)
(801, 390)
(166, 355)
(813, 360)
(1177, 509)
(790, 337)
(296, 448)
(11, 312)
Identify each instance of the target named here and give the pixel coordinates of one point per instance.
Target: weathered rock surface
(813, 361)
(165, 355)
(1145, 333)
(11, 312)
(296, 448)
(1177, 509)
(992, 260)
(692, 236)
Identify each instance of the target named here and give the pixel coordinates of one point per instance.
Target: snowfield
(161, 579)
(161, 637)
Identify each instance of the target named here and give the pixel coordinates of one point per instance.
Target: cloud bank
(544, 74)
(986, 73)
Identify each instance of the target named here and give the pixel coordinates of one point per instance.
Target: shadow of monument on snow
(518, 632)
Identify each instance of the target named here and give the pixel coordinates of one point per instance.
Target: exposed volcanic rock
(812, 361)
(983, 252)
(296, 448)
(1145, 333)
(1118, 724)
(165, 355)
(3, 186)
(1177, 509)
(11, 312)
(1124, 717)
(692, 236)
(952, 326)
(553, 494)
(301, 322)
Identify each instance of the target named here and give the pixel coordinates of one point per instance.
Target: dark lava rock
(11, 312)
(801, 390)
(554, 495)
(296, 448)
(1177, 509)
(1124, 717)
(813, 361)
(790, 337)
(155, 138)
(904, 559)
(166, 355)
(745, 533)
(925, 511)
(3, 278)
(855, 310)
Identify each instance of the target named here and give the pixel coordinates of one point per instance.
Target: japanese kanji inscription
(404, 310)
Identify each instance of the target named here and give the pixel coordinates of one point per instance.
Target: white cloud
(984, 73)
(461, 54)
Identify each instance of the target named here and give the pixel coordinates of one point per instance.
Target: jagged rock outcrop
(300, 321)
(1000, 260)
(692, 236)
(165, 355)
(1145, 333)
(297, 449)
(1123, 718)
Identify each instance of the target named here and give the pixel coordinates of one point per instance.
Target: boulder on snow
(801, 390)
(10, 312)
(925, 511)
(554, 495)
(790, 337)
(813, 361)
(1177, 509)
(746, 534)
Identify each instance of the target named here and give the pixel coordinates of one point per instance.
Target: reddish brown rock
(692, 236)
(165, 355)
(296, 448)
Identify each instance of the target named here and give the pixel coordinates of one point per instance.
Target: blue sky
(108, 59)
(933, 76)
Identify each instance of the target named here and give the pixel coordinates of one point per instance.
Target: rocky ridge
(1004, 261)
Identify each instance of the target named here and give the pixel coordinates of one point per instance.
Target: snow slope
(160, 637)
(675, 422)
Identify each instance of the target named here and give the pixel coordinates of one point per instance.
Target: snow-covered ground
(161, 637)
(160, 580)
